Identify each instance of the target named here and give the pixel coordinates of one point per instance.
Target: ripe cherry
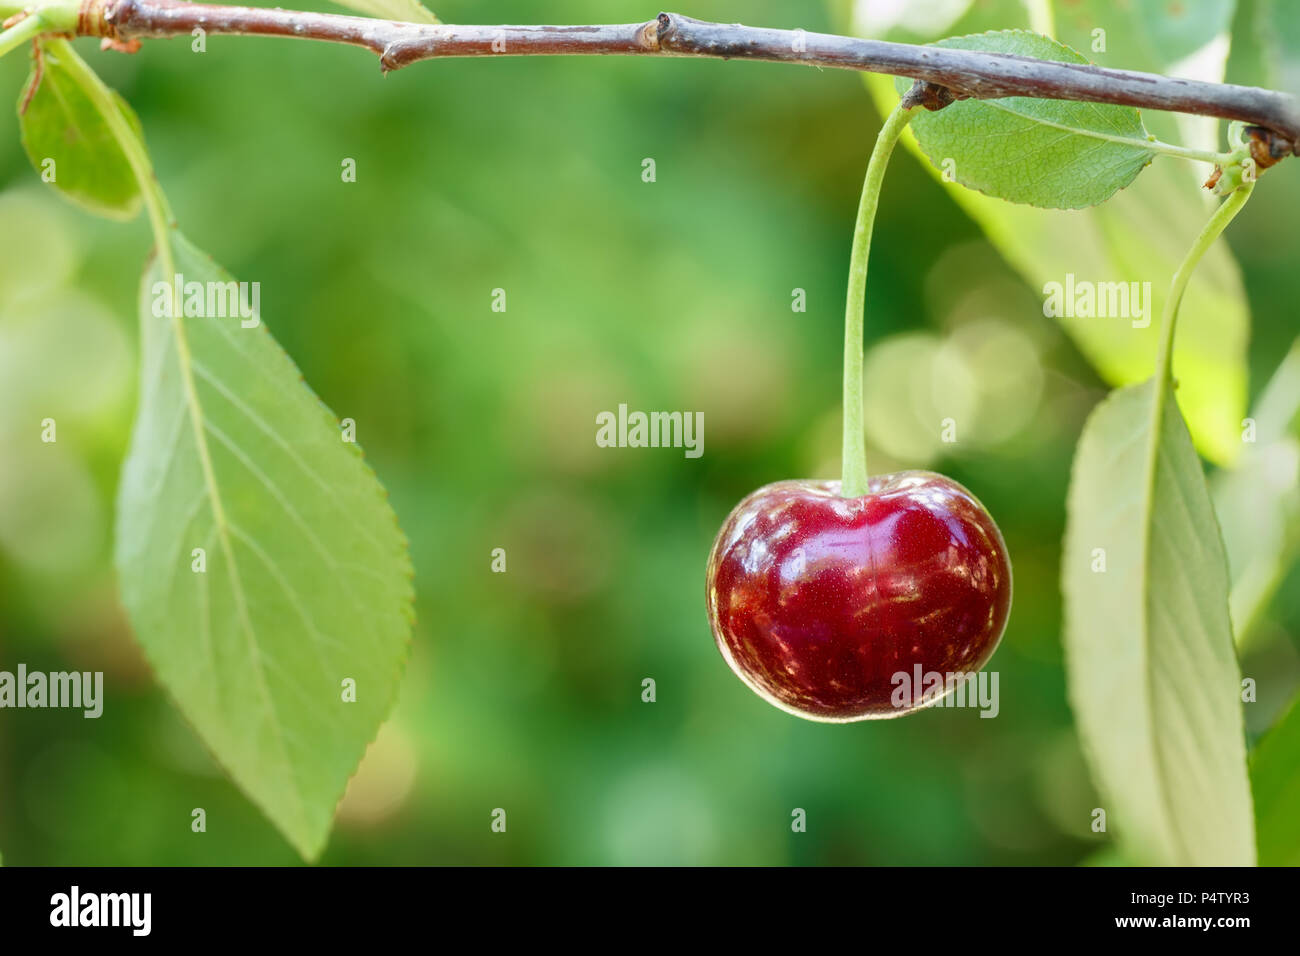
(817, 601)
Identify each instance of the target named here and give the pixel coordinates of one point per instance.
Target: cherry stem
(1226, 212)
(854, 475)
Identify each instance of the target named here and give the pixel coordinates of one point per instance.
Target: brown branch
(963, 73)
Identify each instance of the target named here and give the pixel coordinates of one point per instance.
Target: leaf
(1275, 781)
(1258, 501)
(1051, 153)
(1279, 30)
(1251, 60)
(1186, 39)
(1142, 35)
(1151, 37)
(1108, 855)
(1137, 236)
(60, 123)
(1153, 678)
(307, 580)
(403, 11)
(1259, 504)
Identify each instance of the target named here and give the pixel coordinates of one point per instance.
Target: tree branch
(963, 73)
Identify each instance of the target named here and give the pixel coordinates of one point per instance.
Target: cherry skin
(817, 602)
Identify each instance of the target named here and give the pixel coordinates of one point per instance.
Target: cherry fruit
(818, 602)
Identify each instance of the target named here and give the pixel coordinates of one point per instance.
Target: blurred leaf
(1051, 153)
(307, 579)
(1279, 27)
(1266, 45)
(1258, 501)
(1277, 412)
(1249, 62)
(407, 11)
(1139, 235)
(1142, 33)
(1153, 679)
(60, 122)
(1275, 781)
(1106, 856)
(1150, 35)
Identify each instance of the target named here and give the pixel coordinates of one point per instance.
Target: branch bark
(963, 73)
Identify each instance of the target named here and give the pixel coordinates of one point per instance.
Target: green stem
(1227, 210)
(160, 220)
(1186, 152)
(25, 30)
(854, 482)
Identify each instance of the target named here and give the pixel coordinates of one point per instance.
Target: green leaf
(1186, 39)
(1153, 678)
(1250, 59)
(70, 144)
(407, 11)
(1259, 504)
(1051, 153)
(1136, 237)
(1278, 28)
(307, 581)
(1150, 36)
(1258, 501)
(1139, 234)
(1107, 856)
(1275, 780)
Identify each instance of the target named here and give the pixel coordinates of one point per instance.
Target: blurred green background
(524, 689)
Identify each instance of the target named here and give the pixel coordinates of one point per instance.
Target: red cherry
(818, 601)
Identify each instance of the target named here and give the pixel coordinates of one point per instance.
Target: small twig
(960, 73)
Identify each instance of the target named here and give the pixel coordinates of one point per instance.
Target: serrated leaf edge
(308, 851)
